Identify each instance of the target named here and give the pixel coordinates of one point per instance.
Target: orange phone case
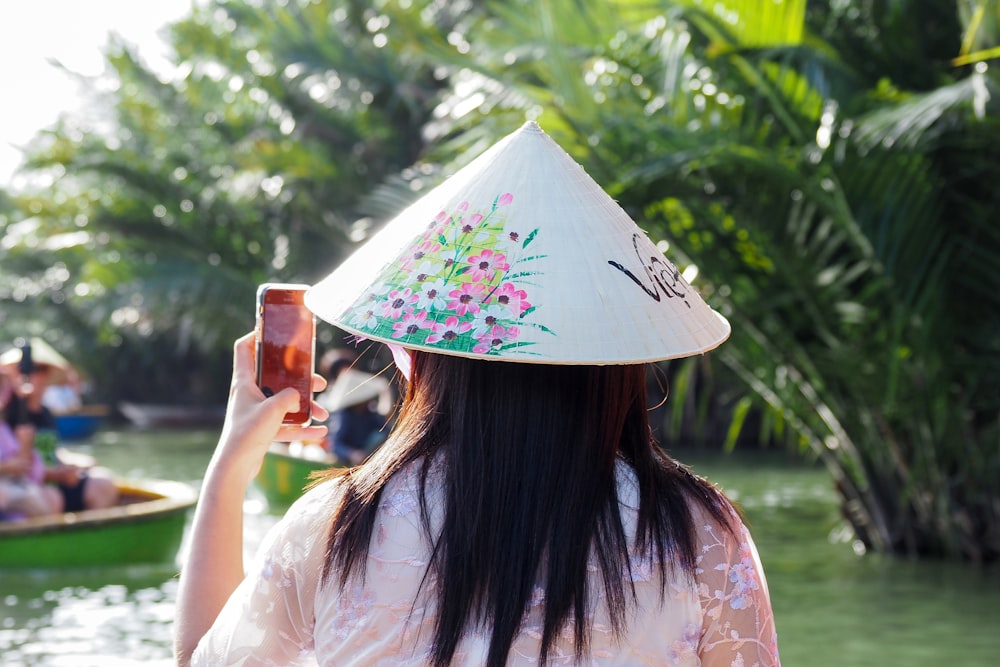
(286, 344)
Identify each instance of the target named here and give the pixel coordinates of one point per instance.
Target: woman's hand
(214, 566)
(253, 421)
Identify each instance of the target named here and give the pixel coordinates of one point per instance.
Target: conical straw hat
(42, 354)
(519, 256)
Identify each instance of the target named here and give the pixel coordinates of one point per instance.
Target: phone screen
(286, 337)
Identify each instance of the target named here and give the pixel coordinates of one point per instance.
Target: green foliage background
(830, 168)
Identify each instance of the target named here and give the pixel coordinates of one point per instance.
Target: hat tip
(531, 126)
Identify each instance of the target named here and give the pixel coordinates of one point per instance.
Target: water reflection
(78, 618)
(833, 608)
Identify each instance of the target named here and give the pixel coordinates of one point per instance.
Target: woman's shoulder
(316, 504)
(417, 484)
(699, 494)
(400, 494)
(726, 524)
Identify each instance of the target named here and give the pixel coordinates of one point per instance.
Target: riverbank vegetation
(827, 169)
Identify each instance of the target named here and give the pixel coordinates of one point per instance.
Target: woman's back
(520, 512)
(528, 456)
(388, 617)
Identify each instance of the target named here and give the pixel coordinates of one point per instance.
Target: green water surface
(833, 607)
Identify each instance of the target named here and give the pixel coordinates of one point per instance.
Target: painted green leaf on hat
(461, 286)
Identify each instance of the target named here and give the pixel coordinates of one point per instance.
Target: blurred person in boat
(23, 493)
(520, 512)
(82, 485)
(358, 404)
(334, 361)
(64, 397)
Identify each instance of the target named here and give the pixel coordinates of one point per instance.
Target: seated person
(64, 398)
(336, 361)
(22, 472)
(357, 425)
(80, 487)
(22, 493)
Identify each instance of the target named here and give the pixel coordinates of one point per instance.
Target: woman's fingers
(318, 412)
(301, 433)
(243, 359)
(285, 401)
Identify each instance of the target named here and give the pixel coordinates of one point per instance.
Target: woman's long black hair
(528, 453)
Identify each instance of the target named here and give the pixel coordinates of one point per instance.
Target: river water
(833, 608)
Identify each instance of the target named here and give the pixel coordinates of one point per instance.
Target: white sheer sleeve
(738, 624)
(269, 618)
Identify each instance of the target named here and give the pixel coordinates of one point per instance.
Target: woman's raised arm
(214, 564)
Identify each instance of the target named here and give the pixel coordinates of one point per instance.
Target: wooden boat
(146, 527)
(81, 424)
(284, 474)
(153, 415)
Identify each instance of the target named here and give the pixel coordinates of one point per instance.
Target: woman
(358, 404)
(23, 493)
(520, 512)
(77, 487)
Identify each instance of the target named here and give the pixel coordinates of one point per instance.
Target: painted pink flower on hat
(485, 265)
(419, 253)
(495, 338)
(448, 331)
(466, 298)
(410, 324)
(509, 296)
(398, 302)
(462, 285)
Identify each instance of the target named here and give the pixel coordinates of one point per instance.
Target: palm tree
(840, 209)
(250, 164)
(826, 169)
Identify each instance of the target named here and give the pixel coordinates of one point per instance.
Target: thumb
(288, 399)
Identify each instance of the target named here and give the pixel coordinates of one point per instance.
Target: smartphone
(286, 344)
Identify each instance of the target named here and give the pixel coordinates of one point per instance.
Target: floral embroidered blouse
(282, 615)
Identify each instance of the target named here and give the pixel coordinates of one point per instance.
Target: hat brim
(43, 357)
(520, 256)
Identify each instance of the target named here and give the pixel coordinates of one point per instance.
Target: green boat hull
(283, 477)
(147, 529)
